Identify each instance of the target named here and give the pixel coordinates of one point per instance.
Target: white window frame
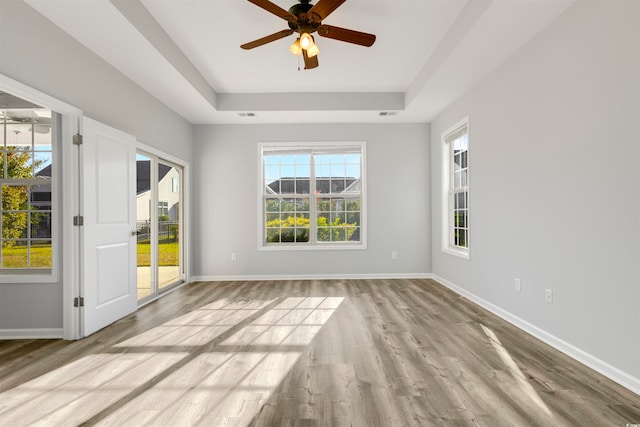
(185, 231)
(53, 211)
(448, 191)
(63, 204)
(312, 244)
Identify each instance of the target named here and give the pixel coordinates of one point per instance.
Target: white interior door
(109, 246)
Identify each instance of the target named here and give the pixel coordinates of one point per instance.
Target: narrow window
(456, 189)
(312, 196)
(26, 174)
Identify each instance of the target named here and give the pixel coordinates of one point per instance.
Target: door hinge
(77, 139)
(78, 220)
(78, 302)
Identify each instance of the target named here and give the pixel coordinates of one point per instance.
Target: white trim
(275, 247)
(164, 293)
(71, 245)
(458, 253)
(232, 278)
(623, 378)
(68, 202)
(185, 201)
(312, 245)
(141, 146)
(445, 168)
(30, 94)
(30, 334)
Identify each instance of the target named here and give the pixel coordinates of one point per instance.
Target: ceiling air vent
(247, 114)
(388, 113)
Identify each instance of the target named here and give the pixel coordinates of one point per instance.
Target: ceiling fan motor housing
(303, 24)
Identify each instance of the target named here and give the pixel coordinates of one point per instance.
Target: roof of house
(46, 171)
(324, 185)
(143, 174)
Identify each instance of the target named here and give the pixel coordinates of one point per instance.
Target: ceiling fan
(23, 120)
(305, 19)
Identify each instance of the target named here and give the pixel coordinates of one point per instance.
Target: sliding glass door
(159, 223)
(168, 185)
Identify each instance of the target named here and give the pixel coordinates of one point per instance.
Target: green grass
(168, 254)
(16, 257)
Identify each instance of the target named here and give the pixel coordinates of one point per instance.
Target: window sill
(316, 247)
(457, 252)
(45, 275)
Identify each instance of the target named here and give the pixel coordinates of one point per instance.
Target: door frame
(185, 233)
(68, 200)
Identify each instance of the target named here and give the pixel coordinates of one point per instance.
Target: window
(163, 210)
(26, 173)
(456, 189)
(312, 196)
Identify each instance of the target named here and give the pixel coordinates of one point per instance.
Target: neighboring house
(168, 191)
(41, 195)
(168, 203)
(291, 185)
(41, 201)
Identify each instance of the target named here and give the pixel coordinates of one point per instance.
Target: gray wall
(226, 209)
(554, 185)
(35, 52)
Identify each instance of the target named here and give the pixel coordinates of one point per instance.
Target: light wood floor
(306, 353)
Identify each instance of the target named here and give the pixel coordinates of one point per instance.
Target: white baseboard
(19, 334)
(611, 372)
(310, 277)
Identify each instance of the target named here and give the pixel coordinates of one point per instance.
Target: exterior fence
(167, 231)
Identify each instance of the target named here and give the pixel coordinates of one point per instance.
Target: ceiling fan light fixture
(312, 50)
(295, 47)
(305, 41)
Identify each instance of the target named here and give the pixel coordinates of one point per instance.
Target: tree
(15, 198)
(338, 220)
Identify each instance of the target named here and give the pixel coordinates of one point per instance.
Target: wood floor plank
(402, 352)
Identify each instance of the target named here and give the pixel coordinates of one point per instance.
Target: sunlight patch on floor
(77, 391)
(523, 385)
(222, 384)
(212, 387)
(295, 321)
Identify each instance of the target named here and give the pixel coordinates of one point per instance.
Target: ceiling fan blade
(309, 62)
(275, 9)
(267, 39)
(41, 128)
(323, 8)
(345, 35)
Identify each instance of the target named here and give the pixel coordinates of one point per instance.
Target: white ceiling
(187, 54)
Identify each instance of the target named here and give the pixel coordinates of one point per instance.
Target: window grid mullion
(313, 211)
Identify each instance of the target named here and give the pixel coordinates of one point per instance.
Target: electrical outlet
(233, 256)
(548, 296)
(394, 255)
(517, 286)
